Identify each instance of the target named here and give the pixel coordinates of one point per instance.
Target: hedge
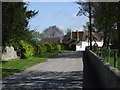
(50, 47)
(41, 48)
(25, 49)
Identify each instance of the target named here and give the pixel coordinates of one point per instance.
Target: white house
(97, 40)
(81, 46)
(81, 40)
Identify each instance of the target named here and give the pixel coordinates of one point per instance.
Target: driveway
(62, 71)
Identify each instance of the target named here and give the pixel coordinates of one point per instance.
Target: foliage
(109, 55)
(105, 18)
(86, 26)
(73, 47)
(26, 49)
(68, 31)
(41, 48)
(65, 47)
(35, 36)
(15, 18)
(52, 31)
(50, 47)
(59, 47)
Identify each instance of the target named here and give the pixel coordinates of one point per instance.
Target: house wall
(82, 46)
(85, 43)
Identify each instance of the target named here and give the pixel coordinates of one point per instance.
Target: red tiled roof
(74, 36)
(82, 37)
(96, 36)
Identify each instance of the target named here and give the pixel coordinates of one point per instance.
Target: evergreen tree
(15, 19)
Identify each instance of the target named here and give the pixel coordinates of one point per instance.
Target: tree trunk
(108, 41)
(90, 28)
(104, 43)
(118, 25)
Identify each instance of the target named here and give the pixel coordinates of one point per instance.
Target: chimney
(77, 35)
(70, 34)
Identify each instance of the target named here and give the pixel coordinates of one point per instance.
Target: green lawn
(108, 55)
(111, 61)
(13, 66)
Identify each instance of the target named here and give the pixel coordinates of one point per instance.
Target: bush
(25, 49)
(41, 48)
(53, 46)
(59, 47)
(50, 47)
(63, 47)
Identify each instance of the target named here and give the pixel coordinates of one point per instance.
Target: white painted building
(83, 44)
(80, 40)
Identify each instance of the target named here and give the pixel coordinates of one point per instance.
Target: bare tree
(52, 32)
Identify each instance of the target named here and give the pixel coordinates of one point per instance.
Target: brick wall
(108, 76)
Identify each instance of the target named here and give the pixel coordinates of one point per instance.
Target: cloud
(63, 12)
(76, 26)
(73, 16)
(62, 25)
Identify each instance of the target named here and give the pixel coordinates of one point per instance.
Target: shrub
(35, 52)
(63, 47)
(41, 48)
(53, 46)
(25, 49)
(50, 47)
(59, 47)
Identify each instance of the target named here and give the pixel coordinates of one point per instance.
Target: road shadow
(90, 79)
(46, 80)
(6, 72)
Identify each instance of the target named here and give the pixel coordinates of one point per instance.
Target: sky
(61, 14)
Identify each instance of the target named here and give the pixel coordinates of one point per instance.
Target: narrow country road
(62, 71)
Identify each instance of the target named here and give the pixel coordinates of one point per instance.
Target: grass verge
(108, 55)
(17, 65)
(111, 61)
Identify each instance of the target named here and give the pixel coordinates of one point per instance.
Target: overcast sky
(61, 14)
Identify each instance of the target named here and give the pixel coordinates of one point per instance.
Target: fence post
(109, 51)
(115, 57)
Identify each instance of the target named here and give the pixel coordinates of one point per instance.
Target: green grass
(118, 63)
(105, 55)
(14, 66)
(111, 61)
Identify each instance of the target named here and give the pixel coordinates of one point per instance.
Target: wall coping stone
(107, 65)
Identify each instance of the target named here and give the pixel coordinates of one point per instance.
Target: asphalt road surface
(62, 71)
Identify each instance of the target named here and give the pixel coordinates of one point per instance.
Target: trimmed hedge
(41, 48)
(50, 47)
(59, 47)
(25, 49)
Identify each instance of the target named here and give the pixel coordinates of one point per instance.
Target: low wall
(108, 76)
